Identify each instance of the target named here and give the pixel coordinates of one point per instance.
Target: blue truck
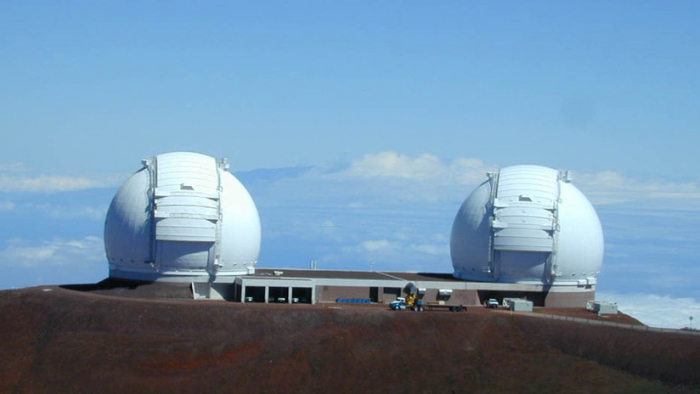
(401, 304)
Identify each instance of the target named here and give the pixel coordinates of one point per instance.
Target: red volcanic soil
(79, 342)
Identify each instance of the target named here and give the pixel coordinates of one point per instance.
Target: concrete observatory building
(182, 218)
(528, 228)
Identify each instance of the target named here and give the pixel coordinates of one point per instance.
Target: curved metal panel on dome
(186, 200)
(524, 209)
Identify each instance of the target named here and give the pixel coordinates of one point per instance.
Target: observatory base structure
(318, 286)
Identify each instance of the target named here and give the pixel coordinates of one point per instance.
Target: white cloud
(655, 310)
(57, 252)
(440, 237)
(394, 177)
(381, 245)
(385, 178)
(373, 249)
(401, 235)
(71, 212)
(16, 177)
(421, 168)
(428, 178)
(392, 164)
(46, 183)
(54, 211)
(432, 249)
(610, 187)
(330, 231)
(401, 248)
(13, 167)
(328, 226)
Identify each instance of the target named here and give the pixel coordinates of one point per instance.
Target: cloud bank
(655, 310)
(425, 167)
(610, 187)
(56, 252)
(389, 176)
(17, 178)
(46, 183)
(400, 178)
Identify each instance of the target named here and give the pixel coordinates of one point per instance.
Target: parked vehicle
(402, 303)
(450, 307)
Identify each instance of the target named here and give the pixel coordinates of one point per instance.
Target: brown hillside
(69, 341)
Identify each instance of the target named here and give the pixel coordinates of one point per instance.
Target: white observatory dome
(182, 217)
(527, 224)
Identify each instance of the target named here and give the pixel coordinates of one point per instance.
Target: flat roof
(388, 278)
(426, 276)
(363, 275)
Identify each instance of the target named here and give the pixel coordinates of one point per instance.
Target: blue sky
(358, 127)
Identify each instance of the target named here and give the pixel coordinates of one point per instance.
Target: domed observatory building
(528, 228)
(182, 218)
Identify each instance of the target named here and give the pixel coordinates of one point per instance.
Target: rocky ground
(64, 340)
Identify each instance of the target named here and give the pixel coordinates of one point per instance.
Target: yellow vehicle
(412, 302)
(411, 299)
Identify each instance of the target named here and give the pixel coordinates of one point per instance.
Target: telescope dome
(182, 217)
(527, 224)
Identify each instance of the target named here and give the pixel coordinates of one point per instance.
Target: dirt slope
(69, 341)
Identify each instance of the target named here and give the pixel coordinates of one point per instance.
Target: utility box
(602, 307)
(518, 305)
